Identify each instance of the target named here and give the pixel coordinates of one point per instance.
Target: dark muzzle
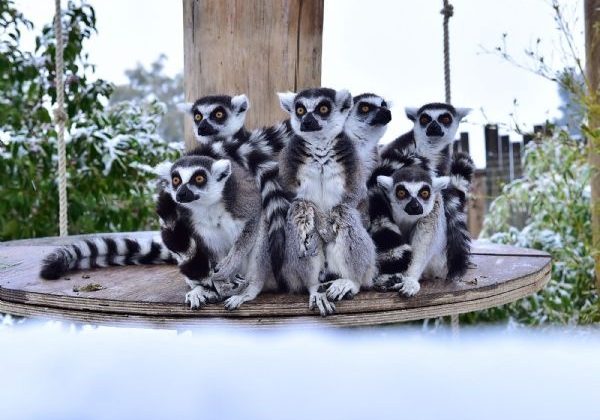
(205, 129)
(413, 208)
(309, 123)
(185, 195)
(382, 117)
(434, 130)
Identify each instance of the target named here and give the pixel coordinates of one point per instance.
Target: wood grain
(154, 294)
(255, 47)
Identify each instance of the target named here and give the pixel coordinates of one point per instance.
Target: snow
(55, 370)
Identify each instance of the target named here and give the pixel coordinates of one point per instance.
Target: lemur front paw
(234, 302)
(409, 286)
(228, 285)
(310, 247)
(166, 208)
(199, 296)
(342, 289)
(302, 215)
(319, 301)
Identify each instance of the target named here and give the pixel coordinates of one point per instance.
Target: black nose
(434, 130)
(309, 123)
(185, 195)
(206, 129)
(382, 117)
(413, 208)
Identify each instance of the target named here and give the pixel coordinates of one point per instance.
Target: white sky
(390, 47)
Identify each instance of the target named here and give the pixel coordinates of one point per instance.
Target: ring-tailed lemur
(321, 168)
(417, 208)
(366, 124)
(427, 146)
(209, 219)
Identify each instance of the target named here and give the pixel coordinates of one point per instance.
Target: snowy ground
(53, 370)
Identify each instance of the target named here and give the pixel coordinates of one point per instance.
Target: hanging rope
(60, 117)
(447, 12)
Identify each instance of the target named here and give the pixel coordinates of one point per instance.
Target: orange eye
(445, 120)
(176, 181)
(323, 109)
(199, 179)
(425, 194)
(365, 108)
(300, 110)
(219, 114)
(424, 120)
(401, 193)
(198, 117)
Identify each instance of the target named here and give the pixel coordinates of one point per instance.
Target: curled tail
(103, 252)
(455, 199)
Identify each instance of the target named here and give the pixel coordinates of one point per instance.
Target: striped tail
(104, 252)
(455, 199)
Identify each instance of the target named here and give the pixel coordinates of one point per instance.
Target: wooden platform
(153, 295)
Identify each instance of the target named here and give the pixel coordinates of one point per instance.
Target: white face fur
(411, 200)
(435, 128)
(217, 116)
(317, 115)
(195, 185)
(368, 119)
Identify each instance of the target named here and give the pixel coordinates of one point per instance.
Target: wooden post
(254, 47)
(592, 48)
(491, 162)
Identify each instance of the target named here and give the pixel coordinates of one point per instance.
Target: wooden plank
(592, 49)
(255, 47)
(477, 202)
(157, 291)
(491, 162)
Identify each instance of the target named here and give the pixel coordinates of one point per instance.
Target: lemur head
(317, 114)
(411, 192)
(368, 118)
(217, 116)
(198, 180)
(436, 123)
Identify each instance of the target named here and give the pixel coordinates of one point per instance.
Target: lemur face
(436, 123)
(198, 180)
(368, 118)
(217, 116)
(411, 192)
(317, 114)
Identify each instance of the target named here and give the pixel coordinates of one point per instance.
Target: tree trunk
(256, 47)
(592, 47)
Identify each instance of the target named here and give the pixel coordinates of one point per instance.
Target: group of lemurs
(311, 205)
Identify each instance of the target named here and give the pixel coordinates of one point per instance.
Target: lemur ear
(411, 112)
(240, 103)
(286, 100)
(163, 170)
(221, 169)
(185, 107)
(462, 113)
(343, 99)
(385, 182)
(440, 183)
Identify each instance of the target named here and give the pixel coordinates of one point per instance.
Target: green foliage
(555, 194)
(108, 187)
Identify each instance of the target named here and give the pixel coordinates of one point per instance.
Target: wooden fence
(503, 164)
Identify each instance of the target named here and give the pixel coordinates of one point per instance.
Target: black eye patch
(424, 119)
(323, 109)
(199, 178)
(219, 114)
(445, 119)
(365, 108)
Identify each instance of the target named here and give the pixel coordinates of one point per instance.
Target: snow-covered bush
(109, 149)
(554, 193)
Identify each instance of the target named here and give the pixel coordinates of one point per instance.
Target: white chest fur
(321, 180)
(216, 226)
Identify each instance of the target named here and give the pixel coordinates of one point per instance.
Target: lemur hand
(166, 208)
